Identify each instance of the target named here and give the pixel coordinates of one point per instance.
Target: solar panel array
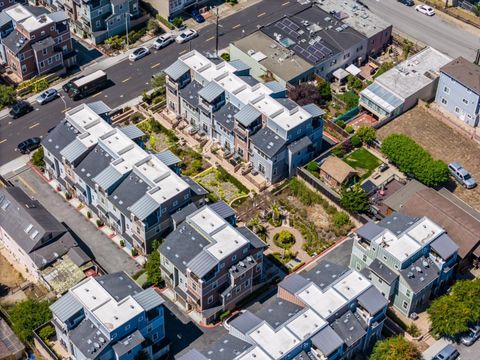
(289, 27)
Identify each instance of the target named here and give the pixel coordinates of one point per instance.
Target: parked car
(462, 175)
(28, 145)
(469, 338)
(425, 9)
(20, 108)
(407, 2)
(447, 353)
(47, 96)
(139, 53)
(197, 16)
(163, 41)
(186, 35)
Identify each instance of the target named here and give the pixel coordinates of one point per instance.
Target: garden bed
(221, 185)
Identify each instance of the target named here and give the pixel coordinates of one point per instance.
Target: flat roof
(324, 303)
(34, 23)
(90, 77)
(113, 314)
(306, 324)
(228, 240)
(276, 343)
(352, 285)
(206, 220)
(18, 12)
(255, 354)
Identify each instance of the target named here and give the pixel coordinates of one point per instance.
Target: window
(149, 328)
(384, 258)
(98, 23)
(186, 197)
(245, 250)
(222, 265)
(49, 61)
(214, 285)
(57, 57)
(258, 267)
(210, 299)
(405, 304)
(42, 64)
(194, 286)
(234, 257)
(446, 90)
(465, 101)
(247, 283)
(237, 290)
(408, 293)
(175, 203)
(364, 258)
(155, 336)
(380, 281)
(127, 327)
(357, 266)
(457, 109)
(52, 28)
(444, 101)
(33, 36)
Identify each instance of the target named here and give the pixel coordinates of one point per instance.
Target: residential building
(172, 8)
(110, 317)
(39, 44)
(326, 312)
(209, 264)
(459, 90)
(408, 259)
(359, 17)
(11, 348)
(302, 46)
(460, 221)
(254, 121)
(400, 88)
(35, 241)
(4, 4)
(6, 27)
(97, 20)
(337, 173)
(130, 189)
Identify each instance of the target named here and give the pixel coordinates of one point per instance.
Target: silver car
(469, 338)
(47, 96)
(462, 175)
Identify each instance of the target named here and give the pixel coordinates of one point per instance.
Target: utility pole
(216, 35)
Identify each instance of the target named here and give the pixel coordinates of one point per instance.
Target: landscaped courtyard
(363, 161)
(221, 185)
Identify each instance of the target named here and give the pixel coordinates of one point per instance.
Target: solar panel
(293, 33)
(280, 26)
(323, 49)
(315, 52)
(313, 58)
(289, 23)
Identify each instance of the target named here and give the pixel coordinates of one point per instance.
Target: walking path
(296, 248)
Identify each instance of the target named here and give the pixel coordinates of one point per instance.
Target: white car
(164, 40)
(186, 35)
(47, 96)
(425, 9)
(139, 53)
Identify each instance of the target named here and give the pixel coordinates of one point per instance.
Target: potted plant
(122, 243)
(100, 223)
(89, 215)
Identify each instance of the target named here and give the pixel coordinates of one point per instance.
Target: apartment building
(110, 317)
(172, 8)
(131, 190)
(210, 264)
(459, 90)
(40, 42)
(325, 312)
(408, 259)
(36, 242)
(98, 20)
(254, 121)
(4, 4)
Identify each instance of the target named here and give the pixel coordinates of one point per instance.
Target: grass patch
(362, 159)
(221, 185)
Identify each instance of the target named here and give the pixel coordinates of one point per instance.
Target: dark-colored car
(407, 2)
(20, 108)
(197, 16)
(28, 145)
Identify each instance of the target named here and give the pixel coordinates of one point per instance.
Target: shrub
(349, 129)
(153, 26)
(355, 140)
(395, 348)
(122, 243)
(37, 158)
(68, 196)
(116, 42)
(340, 218)
(284, 239)
(89, 215)
(341, 123)
(8, 95)
(28, 315)
(177, 22)
(100, 223)
(413, 330)
(350, 99)
(338, 151)
(225, 56)
(224, 315)
(354, 199)
(411, 158)
(154, 275)
(354, 83)
(367, 134)
(47, 332)
(383, 68)
(165, 22)
(134, 252)
(312, 166)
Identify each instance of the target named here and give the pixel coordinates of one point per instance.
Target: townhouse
(209, 264)
(254, 121)
(40, 42)
(170, 9)
(34, 242)
(408, 259)
(97, 20)
(110, 317)
(459, 90)
(131, 190)
(325, 312)
(7, 3)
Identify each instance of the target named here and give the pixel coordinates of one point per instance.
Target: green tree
(325, 91)
(177, 22)
(284, 239)
(312, 166)
(37, 158)
(153, 26)
(340, 218)
(383, 68)
(225, 56)
(395, 348)
(350, 98)
(354, 199)
(158, 81)
(46, 332)
(356, 141)
(7, 95)
(451, 314)
(367, 134)
(27, 315)
(354, 83)
(154, 275)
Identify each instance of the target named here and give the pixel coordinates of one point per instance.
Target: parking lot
(94, 242)
(466, 352)
(442, 142)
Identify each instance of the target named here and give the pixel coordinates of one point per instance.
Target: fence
(348, 115)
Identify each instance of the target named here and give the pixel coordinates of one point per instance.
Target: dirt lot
(9, 277)
(443, 142)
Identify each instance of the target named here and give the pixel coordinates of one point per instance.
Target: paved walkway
(296, 248)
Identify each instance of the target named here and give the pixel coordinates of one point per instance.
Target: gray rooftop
(11, 344)
(125, 345)
(179, 216)
(128, 192)
(325, 273)
(247, 115)
(119, 285)
(93, 164)
(313, 109)
(268, 141)
(193, 354)
(245, 322)
(372, 300)
(144, 207)
(254, 239)
(196, 188)
(168, 158)
(222, 209)
(65, 307)
(225, 348)
(148, 299)
(202, 263)
(276, 311)
(13, 39)
(84, 337)
(370, 231)
(327, 341)
(78, 256)
(176, 70)
(43, 44)
(398, 222)
(189, 92)
(382, 271)
(108, 177)
(225, 116)
(444, 246)
(420, 274)
(401, 196)
(62, 135)
(350, 328)
(299, 145)
(132, 132)
(58, 16)
(275, 86)
(211, 91)
(4, 19)
(239, 65)
(294, 283)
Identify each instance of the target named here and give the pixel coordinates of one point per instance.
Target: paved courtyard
(96, 244)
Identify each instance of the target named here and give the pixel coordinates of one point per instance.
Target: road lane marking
(182, 52)
(286, 3)
(156, 65)
(210, 38)
(65, 110)
(2, 141)
(97, 94)
(237, 26)
(124, 81)
(26, 184)
(34, 125)
(262, 14)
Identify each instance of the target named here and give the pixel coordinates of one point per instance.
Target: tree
(325, 91)
(158, 81)
(367, 134)
(340, 218)
(177, 22)
(7, 95)
(354, 83)
(27, 315)
(154, 275)
(350, 98)
(356, 141)
(37, 158)
(304, 94)
(452, 314)
(395, 348)
(354, 199)
(284, 239)
(225, 56)
(153, 26)
(46, 332)
(312, 166)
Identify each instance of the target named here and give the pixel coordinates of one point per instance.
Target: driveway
(93, 241)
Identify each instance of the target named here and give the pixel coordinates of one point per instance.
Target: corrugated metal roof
(148, 299)
(99, 107)
(211, 91)
(107, 177)
(176, 70)
(222, 209)
(247, 115)
(201, 264)
(313, 110)
(372, 300)
(239, 65)
(275, 86)
(66, 307)
(168, 158)
(144, 207)
(73, 150)
(132, 132)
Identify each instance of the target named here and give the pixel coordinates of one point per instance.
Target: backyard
(363, 161)
(221, 185)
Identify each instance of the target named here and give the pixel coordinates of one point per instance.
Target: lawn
(363, 161)
(221, 185)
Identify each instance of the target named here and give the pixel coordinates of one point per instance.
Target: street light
(126, 25)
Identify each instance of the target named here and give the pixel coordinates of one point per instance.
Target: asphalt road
(131, 79)
(441, 32)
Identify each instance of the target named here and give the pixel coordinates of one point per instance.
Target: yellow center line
(182, 52)
(26, 184)
(156, 65)
(65, 110)
(262, 14)
(2, 141)
(286, 3)
(34, 125)
(236, 26)
(124, 81)
(210, 38)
